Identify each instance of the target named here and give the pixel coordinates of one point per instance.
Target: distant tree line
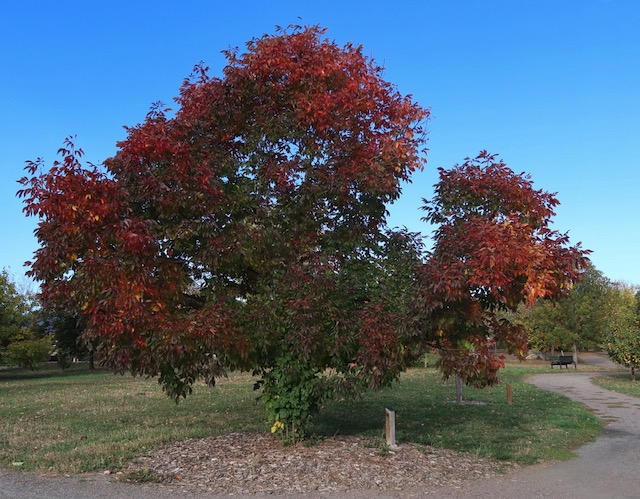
(30, 334)
(596, 314)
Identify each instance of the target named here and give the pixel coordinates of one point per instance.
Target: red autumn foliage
(242, 225)
(248, 229)
(493, 251)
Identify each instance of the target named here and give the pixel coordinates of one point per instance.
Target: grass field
(78, 420)
(619, 383)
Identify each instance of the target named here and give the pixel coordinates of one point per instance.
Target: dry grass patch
(85, 421)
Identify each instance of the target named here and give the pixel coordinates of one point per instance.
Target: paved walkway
(606, 468)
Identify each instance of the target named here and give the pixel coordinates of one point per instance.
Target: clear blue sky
(552, 86)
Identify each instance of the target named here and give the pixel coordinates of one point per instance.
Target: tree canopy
(493, 251)
(14, 312)
(623, 338)
(581, 318)
(247, 229)
(20, 344)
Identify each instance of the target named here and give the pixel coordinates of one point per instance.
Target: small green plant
(382, 447)
(143, 476)
(313, 440)
(292, 393)
(370, 444)
(384, 450)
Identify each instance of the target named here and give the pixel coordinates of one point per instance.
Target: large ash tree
(246, 230)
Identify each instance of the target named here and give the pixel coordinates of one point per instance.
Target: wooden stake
(390, 430)
(509, 395)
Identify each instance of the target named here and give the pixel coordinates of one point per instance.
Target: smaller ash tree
(493, 251)
(247, 231)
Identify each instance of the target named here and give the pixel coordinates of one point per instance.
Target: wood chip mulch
(258, 464)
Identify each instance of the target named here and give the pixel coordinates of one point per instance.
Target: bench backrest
(565, 358)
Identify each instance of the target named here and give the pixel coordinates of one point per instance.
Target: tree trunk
(633, 373)
(458, 389)
(91, 360)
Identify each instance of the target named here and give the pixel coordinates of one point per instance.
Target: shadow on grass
(426, 415)
(47, 370)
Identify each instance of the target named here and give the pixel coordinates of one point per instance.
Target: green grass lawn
(537, 427)
(84, 421)
(619, 383)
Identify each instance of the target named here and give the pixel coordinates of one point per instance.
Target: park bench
(564, 360)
